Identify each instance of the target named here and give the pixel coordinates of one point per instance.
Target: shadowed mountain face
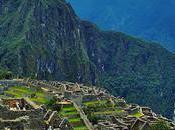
(45, 39)
(149, 19)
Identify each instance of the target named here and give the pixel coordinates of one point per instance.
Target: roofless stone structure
(71, 106)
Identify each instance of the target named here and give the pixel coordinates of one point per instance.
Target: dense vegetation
(139, 71)
(149, 19)
(160, 125)
(4, 74)
(46, 40)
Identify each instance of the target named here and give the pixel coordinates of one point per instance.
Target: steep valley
(45, 39)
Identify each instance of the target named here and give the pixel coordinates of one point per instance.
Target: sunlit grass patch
(137, 115)
(92, 103)
(80, 128)
(73, 116)
(74, 120)
(69, 109)
(33, 94)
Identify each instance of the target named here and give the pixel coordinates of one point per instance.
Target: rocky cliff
(45, 39)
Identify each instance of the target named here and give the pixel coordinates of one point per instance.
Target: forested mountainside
(45, 39)
(149, 19)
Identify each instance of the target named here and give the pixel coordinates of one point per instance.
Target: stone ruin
(19, 104)
(20, 114)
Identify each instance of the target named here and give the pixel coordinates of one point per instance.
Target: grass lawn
(69, 113)
(21, 92)
(137, 115)
(73, 117)
(104, 112)
(68, 109)
(80, 128)
(92, 103)
(108, 112)
(119, 110)
(74, 120)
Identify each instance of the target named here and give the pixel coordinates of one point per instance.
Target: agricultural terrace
(36, 95)
(69, 112)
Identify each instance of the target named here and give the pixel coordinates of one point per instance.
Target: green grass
(92, 103)
(22, 92)
(80, 128)
(40, 100)
(137, 114)
(68, 109)
(108, 112)
(104, 112)
(1, 86)
(74, 120)
(98, 110)
(13, 94)
(69, 113)
(73, 117)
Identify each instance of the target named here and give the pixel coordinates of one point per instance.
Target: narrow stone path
(84, 117)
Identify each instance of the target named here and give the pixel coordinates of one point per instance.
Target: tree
(160, 125)
(5, 74)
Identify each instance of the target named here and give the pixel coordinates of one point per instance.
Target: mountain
(151, 19)
(45, 39)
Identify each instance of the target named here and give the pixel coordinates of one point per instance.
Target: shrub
(5, 74)
(160, 125)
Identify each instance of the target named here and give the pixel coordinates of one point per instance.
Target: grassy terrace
(93, 103)
(34, 94)
(73, 117)
(98, 110)
(108, 112)
(137, 114)
(102, 106)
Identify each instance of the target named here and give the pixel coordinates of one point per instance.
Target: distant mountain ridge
(45, 39)
(151, 19)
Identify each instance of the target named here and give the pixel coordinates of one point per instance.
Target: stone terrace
(89, 108)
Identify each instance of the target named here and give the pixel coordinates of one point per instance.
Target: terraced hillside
(71, 106)
(70, 112)
(44, 39)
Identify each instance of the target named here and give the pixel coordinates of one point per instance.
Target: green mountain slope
(141, 72)
(42, 38)
(149, 19)
(45, 39)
